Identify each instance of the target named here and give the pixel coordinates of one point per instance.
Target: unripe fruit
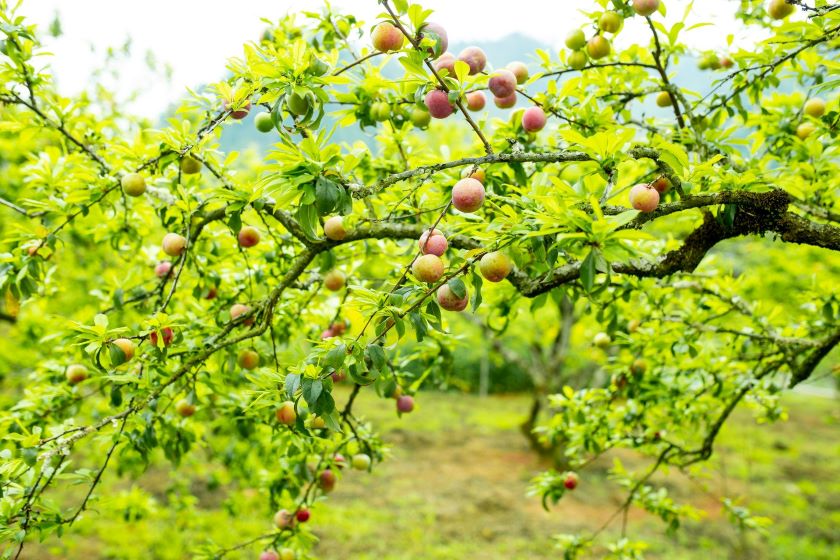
(269, 555)
(429, 28)
(190, 165)
(433, 243)
(334, 280)
(610, 22)
(664, 99)
(184, 408)
(571, 481)
(360, 461)
(396, 393)
(283, 519)
(661, 184)
(474, 173)
(163, 268)
(167, 337)
(805, 129)
(446, 62)
(405, 404)
(638, 367)
(533, 119)
(287, 554)
(726, 62)
(386, 37)
(502, 83)
(263, 122)
(75, 373)
(286, 414)
(127, 348)
(601, 340)
(779, 9)
(302, 515)
(449, 301)
(476, 100)
(238, 114)
(326, 481)
(239, 309)
(334, 228)
(380, 111)
(576, 40)
(505, 102)
(133, 184)
(633, 325)
(598, 47)
(437, 101)
(519, 70)
(338, 376)
(427, 268)
(475, 58)
(578, 60)
(297, 104)
(644, 198)
(645, 7)
(248, 236)
(248, 359)
(420, 118)
(495, 266)
(339, 460)
(815, 107)
(173, 244)
(468, 195)
(317, 423)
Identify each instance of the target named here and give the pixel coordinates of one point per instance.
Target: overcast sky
(195, 37)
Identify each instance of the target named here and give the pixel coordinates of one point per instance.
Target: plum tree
(682, 339)
(468, 195)
(334, 228)
(133, 184)
(387, 38)
(427, 268)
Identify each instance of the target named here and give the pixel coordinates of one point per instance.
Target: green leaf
(292, 383)
(327, 194)
(335, 357)
(311, 389)
(458, 287)
(377, 357)
(588, 271)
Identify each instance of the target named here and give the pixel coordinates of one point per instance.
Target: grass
(455, 484)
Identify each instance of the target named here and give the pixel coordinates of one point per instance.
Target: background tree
(163, 297)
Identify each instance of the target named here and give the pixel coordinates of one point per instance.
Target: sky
(195, 37)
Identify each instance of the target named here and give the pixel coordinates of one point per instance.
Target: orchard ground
(454, 489)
